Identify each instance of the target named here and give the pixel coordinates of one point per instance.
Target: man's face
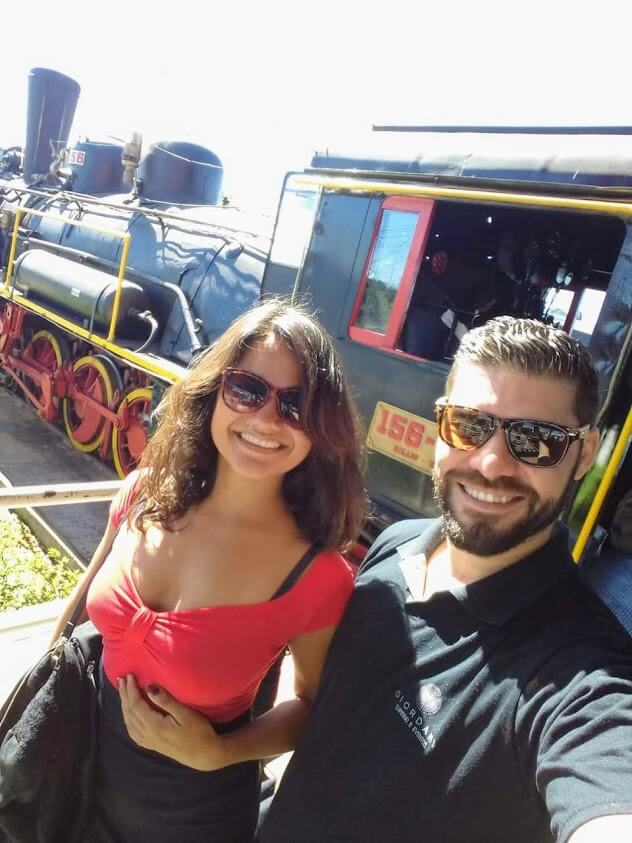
(491, 502)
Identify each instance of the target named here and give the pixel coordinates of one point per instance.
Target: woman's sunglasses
(532, 442)
(244, 392)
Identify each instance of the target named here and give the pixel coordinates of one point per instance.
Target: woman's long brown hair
(325, 493)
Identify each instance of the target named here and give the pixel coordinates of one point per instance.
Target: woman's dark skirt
(142, 796)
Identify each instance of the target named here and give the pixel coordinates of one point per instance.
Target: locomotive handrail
(85, 199)
(20, 211)
(604, 487)
(342, 184)
(58, 494)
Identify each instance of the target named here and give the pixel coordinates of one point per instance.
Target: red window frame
(388, 339)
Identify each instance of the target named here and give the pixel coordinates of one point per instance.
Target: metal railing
(57, 494)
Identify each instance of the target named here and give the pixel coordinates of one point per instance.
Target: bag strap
(296, 571)
(76, 616)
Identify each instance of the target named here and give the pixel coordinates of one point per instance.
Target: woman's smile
(259, 441)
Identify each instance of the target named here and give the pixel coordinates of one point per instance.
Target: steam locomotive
(117, 269)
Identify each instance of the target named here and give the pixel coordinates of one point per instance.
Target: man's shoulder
(393, 537)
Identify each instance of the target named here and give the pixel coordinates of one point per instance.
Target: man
(476, 690)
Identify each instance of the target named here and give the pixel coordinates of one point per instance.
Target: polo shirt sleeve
(576, 743)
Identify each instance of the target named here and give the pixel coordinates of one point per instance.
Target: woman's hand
(175, 730)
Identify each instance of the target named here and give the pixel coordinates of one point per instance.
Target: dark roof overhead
(564, 156)
(510, 130)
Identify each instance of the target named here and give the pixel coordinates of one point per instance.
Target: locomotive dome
(180, 173)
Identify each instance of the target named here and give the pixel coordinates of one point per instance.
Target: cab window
(466, 263)
(392, 265)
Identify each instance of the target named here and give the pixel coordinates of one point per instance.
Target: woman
(255, 461)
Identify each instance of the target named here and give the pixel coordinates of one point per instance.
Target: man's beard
(481, 537)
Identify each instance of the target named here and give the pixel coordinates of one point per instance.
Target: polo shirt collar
(497, 598)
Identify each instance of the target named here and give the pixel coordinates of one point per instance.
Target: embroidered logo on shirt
(430, 698)
(412, 717)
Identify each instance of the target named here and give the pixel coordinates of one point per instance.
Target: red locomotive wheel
(97, 377)
(48, 351)
(129, 443)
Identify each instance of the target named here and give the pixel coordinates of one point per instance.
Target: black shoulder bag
(48, 741)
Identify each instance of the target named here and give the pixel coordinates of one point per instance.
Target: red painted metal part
(112, 419)
(425, 209)
(87, 393)
(44, 383)
(132, 436)
(577, 294)
(86, 400)
(48, 384)
(11, 327)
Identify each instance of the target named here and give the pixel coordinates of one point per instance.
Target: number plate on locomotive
(402, 436)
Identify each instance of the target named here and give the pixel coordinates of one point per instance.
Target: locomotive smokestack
(52, 99)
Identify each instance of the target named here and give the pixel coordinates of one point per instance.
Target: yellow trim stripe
(170, 372)
(393, 188)
(603, 488)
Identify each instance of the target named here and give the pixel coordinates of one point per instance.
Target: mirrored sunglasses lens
(243, 392)
(290, 406)
(465, 429)
(537, 444)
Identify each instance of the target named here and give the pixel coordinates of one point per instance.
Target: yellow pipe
(14, 240)
(119, 288)
(169, 373)
(394, 188)
(603, 488)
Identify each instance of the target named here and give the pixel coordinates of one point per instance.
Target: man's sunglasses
(244, 392)
(533, 442)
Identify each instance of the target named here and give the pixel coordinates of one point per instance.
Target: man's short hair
(533, 348)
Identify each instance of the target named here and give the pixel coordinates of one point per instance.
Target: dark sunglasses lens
(290, 406)
(243, 392)
(463, 428)
(537, 444)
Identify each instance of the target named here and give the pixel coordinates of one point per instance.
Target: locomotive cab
(432, 233)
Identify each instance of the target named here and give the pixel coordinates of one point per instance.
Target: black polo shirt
(499, 711)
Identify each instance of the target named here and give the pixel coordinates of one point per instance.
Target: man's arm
(574, 734)
(615, 829)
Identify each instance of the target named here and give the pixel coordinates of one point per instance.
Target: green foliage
(377, 305)
(28, 574)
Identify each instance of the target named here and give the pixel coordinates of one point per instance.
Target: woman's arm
(82, 586)
(279, 729)
(185, 735)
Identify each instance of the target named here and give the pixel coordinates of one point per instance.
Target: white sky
(264, 82)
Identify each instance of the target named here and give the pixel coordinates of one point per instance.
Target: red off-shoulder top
(211, 658)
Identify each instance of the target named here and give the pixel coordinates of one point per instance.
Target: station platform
(33, 452)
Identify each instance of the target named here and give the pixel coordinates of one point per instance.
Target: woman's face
(260, 444)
